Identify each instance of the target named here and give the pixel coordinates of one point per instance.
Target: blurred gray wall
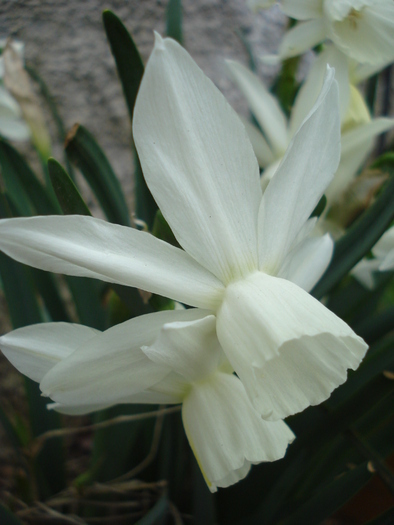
(65, 41)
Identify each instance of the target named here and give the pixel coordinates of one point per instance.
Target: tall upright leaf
(84, 151)
(130, 70)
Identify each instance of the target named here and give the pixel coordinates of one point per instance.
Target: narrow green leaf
(130, 70)
(373, 328)
(22, 185)
(378, 359)
(66, 192)
(87, 294)
(83, 150)
(331, 498)
(363, 234)
(128, 61)
(174, 20)
(145, 205)
(370, 92)
(10, 431)
(158, 514)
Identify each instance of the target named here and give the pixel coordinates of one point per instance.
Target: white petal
(308, 261)
(73, 410)
(306, 170)
(367, 36)
(312, 86)
(226, 434)
(111, 366)
(294, 350)
(356, 137)
(384, 250)
(260, 146)
(385, 244)
(198, 162)
(13, 129)
(35, 349)
(364, 272)
(84, 246)
(388, 262)
(302, 37)
(263, 105)
(302, 9)
(190, 349)
(357, 144)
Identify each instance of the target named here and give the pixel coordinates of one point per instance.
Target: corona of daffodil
(166, 357)
(246, 258)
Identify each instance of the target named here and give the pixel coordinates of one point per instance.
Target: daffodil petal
(385, 244)
(74, 410)
(312, 86)
(263, 105)
(190, 349)
(261, 148)
(355, 138)
(366, 35)
(302, 37)
(35, 349)
(111, 366)
(308, 261)
(226, 434)
(285, 332)
(198, 162)
(302, 9)
(299, 182)
(364, 272)
(85, 246)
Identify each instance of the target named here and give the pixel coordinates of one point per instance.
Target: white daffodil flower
(358, 130)
(362, 29)
(12, 125)
(246, 256)
(181, 361)
(383, 260)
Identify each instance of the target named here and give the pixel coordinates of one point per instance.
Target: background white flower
(358, 130)
(362, 29)
(12, 125)
(383, 260)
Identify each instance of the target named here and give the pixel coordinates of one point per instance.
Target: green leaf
(66, 192)
(379, 358)
(363, 234)
(22, 185)
(7, 517)
(331, 498)
(130, 70)
(145, 205)
(373, 328)
(128, 60)
(10, 431)
(157, 514)
(174, 20)
(83, 150)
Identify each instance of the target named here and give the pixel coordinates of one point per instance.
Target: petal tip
(159, 42)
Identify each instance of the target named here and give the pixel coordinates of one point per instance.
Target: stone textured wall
(66, 43)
